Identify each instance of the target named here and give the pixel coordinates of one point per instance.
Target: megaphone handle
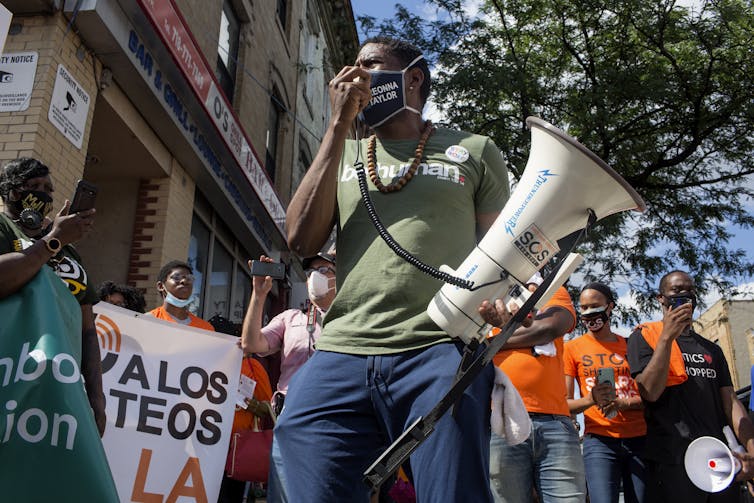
(735, 446)
(730, 437)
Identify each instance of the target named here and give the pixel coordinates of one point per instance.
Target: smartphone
(84, 197)
(679, 301)
(276, 270)
(606, 375)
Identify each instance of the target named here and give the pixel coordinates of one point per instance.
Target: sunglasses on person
(178, 277)
(322, 270)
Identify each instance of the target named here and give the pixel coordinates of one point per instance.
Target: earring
(410, 88)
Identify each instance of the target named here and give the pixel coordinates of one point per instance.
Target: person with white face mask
(614, 436)
(175, 282)
(176, 285)
(294, 333)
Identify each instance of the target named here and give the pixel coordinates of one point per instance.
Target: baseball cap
(329, 256)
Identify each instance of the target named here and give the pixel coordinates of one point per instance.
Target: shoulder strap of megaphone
(400, 450)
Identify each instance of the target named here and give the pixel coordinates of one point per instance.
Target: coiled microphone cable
(358, 165)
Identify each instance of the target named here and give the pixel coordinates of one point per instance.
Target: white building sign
(5, 18)
(17, 71)
(69, 107)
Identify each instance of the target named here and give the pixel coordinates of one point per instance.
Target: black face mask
(595, 318)
(32, 206)
(388, 96)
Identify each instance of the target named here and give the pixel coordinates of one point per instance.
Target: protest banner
(171, 393)
(50, 449)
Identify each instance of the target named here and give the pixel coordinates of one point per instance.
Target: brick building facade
(730, 324)
(195, 118)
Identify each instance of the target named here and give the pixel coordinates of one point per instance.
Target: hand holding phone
(84, 197)
(676, 302)
(606, 377)
(275, 270)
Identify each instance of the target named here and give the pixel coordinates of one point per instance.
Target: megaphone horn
(710, 464)
(562, 184)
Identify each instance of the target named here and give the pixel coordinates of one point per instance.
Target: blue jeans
(343, 410)
(609, 460)
(549, 461)
(276, 481)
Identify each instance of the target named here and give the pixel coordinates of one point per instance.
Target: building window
(222, 284)
(282, 13)
(311, 63)
(227, 49)
(219, 283)
(304, 161)
(273, 134)
(241, 294)
(198, 260)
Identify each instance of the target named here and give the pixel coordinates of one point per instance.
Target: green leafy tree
(662, 92)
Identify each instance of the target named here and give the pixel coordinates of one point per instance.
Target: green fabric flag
(50, 449)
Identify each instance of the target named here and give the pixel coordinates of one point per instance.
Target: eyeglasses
(322, 270)
(178, 277)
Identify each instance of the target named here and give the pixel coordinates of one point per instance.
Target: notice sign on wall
(5, 19)
(17, 71)
(69, 107)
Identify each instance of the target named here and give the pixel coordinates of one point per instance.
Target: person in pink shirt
(292, 332)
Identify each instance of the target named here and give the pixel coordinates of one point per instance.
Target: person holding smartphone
(293, 333)
(688, 393)
(614, 432)
(30, 240)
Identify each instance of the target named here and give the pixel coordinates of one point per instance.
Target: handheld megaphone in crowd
(710, 464)
(563, 185)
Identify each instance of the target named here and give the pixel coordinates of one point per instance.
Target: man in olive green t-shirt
(381, 362)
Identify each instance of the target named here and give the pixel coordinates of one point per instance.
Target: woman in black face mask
(614, 422)
(30, 240)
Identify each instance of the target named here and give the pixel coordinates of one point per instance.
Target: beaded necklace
(409, 174)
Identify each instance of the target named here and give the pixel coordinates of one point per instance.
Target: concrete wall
(741, 320)
(730, 323)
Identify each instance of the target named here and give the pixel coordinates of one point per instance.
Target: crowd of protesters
(360, 363)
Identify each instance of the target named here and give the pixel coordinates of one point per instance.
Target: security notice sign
(69, 107)
(17, 71)
(5, 19)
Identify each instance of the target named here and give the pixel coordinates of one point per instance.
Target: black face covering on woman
(594, 318)
(32, 207)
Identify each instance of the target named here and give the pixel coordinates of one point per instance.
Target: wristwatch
(53, 245)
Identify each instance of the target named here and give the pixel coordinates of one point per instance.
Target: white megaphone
(710, 464)
(563, 181)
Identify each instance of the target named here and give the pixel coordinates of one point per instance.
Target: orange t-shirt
(244, 419)
(651, 332)
(582, 358)
(195, 320)
(539, 379)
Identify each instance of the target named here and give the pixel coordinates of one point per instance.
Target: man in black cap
(293, 333)
(688, 393)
